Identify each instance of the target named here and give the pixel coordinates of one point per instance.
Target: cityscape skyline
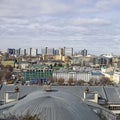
(93, 25)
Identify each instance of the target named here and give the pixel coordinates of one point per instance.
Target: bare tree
(93, 82)
(54, 80)
(6, 72)
(105, 81)
(70, 81)
(9, 68)
(1, 75)
(102, 81)
(81, 82)
(60, 81)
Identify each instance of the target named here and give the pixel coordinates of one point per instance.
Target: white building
(32, 52)
(24, 65)
(47, 51)
(44, 51)
(76, 75)
(22, 51)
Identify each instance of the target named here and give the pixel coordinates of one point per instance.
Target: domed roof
(54, 105)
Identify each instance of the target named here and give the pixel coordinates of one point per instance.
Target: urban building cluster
(44, 51)
(55, 64)
(63, 67)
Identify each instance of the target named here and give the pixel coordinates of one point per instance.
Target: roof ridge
(104, 92)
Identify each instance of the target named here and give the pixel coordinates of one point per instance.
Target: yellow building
(5, 63)
(60, 57)
(61, 51)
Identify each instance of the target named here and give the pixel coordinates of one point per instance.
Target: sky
(82, 24)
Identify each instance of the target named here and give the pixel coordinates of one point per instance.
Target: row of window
(114, 107)
(39, 71)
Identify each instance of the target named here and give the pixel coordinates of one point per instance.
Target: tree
(70, 81)
(8, 75)
(81, 82)
(60, 64)
(61, 81)
(9, 68)
(1, 75)
(54, 80)
(93, 82)
(105, 81)
(67, 65)
(55, 64)
(6, 72)
(51, 66)
(102, 81)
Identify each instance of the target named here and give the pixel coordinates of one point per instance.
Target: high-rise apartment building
(32, 52)
(17, 52)
(47, 51)
(68, 51)
(50, 51)
(11, 51)
(44, 51)
(22, 51)
(84, 52)
(29, 51)
(61, 51)
(56, 52)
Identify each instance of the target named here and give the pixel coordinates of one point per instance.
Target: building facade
(84, 52)
(50, 51)
(22, 51)
(32, 52)
(68, 51)
(77, 75)
(44, 51)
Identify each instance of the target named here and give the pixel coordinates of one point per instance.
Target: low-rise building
(23, 65)
(38, 73)
(10, 62)
(116, 76)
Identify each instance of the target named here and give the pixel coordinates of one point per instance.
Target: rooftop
(54, 105)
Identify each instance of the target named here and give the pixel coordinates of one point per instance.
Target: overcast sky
(90, 24)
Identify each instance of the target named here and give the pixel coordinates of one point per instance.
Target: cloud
(89, 21)
(75, 23)
(51, 26)
(15, 8)
(31, 8)
(54, 26)
(107, 4)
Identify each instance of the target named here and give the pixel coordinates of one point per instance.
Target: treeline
(5, 72)
(103, 81)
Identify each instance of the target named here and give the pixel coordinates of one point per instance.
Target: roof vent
(86, 90)
(90, 96)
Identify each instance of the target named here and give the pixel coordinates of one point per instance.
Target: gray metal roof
(110, 93)
(24, 90)
(113, 94)
(55, 105)
(6, 107)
